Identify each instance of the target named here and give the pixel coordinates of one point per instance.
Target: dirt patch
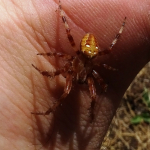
(130, 128)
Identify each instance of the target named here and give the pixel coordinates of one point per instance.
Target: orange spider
(79, 68)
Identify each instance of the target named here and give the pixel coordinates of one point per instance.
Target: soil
(130, 128)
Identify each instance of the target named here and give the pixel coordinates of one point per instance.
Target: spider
(79, 68)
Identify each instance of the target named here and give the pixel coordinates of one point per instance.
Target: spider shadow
(64, 125)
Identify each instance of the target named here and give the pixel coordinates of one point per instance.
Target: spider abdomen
(89, 45)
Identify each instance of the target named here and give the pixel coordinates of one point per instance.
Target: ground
(130, 128)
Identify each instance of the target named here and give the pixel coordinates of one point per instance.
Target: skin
(33, 26)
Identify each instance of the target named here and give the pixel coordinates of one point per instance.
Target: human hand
(33, 26)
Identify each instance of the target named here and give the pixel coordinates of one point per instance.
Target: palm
(23, 90)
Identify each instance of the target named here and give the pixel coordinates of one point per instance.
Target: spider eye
(89, 45)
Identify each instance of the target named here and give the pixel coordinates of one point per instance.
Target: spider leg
(100, 80)
(106, 67)
(58, 71)
(109, 67)
(64, 56)
(70, 37)
(67, 90)
(114, 41)
(50, 74)
(92, 90)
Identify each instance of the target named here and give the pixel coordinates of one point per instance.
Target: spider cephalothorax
(80, 68)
